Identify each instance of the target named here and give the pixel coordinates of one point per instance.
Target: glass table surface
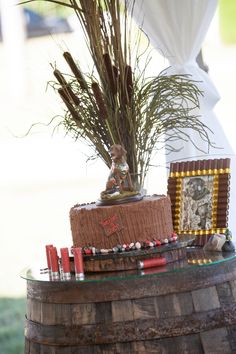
(196, 257)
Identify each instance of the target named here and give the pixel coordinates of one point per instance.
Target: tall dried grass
(118, 103)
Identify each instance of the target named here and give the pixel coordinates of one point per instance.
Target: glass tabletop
(196, 257)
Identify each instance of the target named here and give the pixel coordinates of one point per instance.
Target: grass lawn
(12, 315)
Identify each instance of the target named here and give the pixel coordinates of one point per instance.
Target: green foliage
(227, 17)
(12, 315)
(48, 9)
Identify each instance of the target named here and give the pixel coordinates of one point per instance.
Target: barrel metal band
(126, 331)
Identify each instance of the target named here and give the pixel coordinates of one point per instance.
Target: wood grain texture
(127, 331)
(179, 311)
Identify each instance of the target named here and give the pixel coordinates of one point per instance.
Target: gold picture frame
(199, 193)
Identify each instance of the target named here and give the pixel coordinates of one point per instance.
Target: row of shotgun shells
(199, 261)
(59, 268)
(90, 250)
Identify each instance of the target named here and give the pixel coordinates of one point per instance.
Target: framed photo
(199, 193)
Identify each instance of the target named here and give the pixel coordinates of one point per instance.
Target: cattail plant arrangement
(117, 103)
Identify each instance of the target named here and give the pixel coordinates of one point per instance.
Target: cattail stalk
(62, 81)
(102, 108)
(64, 96)
(129, 81)
(76, 71)
(99, 100)
(110, 73)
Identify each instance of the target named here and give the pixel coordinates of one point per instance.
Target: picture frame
(199, 192)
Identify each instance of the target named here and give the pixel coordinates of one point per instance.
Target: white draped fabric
(176, 28)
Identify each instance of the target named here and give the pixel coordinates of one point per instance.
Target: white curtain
(176, 28)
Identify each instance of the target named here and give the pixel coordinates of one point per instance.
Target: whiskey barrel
(187, 310)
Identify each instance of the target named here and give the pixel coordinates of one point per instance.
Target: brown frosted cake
(107, 226)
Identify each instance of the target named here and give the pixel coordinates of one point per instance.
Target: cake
(104, 227)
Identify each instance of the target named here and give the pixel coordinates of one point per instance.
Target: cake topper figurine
(119, 172)
(119, 187)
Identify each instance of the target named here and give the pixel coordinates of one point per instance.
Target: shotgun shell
(79, 264)
(48, 256)
(79, 276)
(149, 263)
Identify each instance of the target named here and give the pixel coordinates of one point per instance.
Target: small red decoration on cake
(88, 251)
(174, 236)
(111, 225)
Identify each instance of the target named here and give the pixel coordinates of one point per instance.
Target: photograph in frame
(199, 193)
(196, 206)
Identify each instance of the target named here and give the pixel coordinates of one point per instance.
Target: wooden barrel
(190, 310)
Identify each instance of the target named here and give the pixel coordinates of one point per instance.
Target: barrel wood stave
(63, 292)
(129, 331)
(180, 311)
